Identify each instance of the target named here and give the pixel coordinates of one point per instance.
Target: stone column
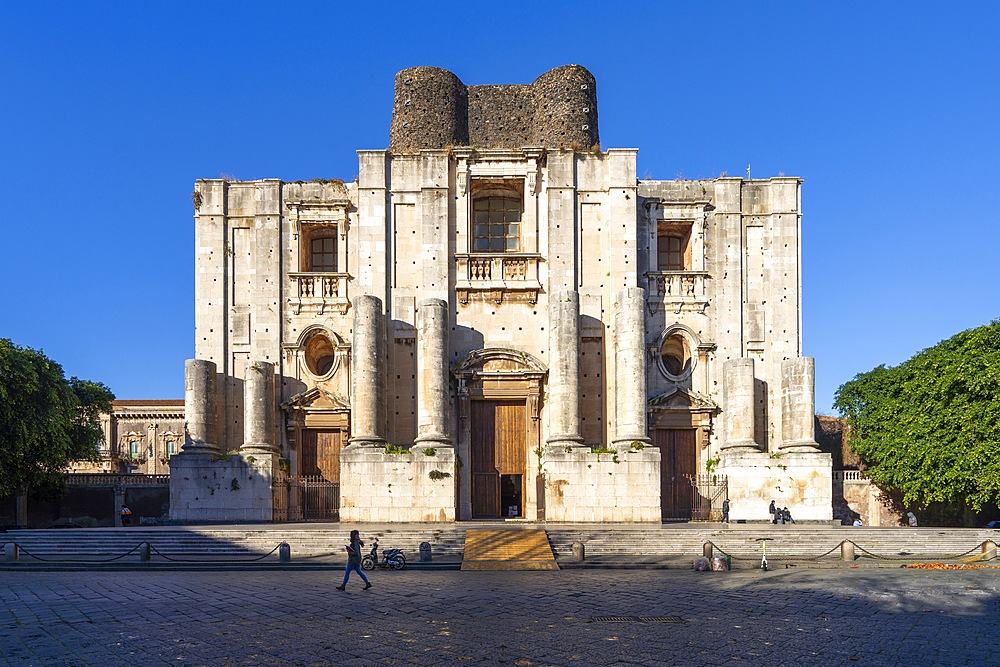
(630, 367)
(432, 373)
(368, 372)
(738, 384)
(258, 409)
(798, 405)
(199, 407)
(564, 369)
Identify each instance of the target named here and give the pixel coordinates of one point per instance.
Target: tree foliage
(46, 421)
(930, 427)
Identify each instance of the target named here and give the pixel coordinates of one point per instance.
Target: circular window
(675, 356)
(320, 355)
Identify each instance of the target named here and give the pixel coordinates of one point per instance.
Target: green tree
(929, 428)
(46, 421)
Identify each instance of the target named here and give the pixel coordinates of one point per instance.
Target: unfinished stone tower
(498, 320)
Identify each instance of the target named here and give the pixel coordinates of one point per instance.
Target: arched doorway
(499, 393)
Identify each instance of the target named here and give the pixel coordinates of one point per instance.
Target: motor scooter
(392, 559)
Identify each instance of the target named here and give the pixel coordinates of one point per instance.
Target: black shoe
(339, 588)
(367, 586)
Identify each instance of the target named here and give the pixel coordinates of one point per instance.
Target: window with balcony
(496, 224)
(672, 247)
(320, 254)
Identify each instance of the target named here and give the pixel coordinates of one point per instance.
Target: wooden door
(498, 448)
(678, 467)
(320, 454)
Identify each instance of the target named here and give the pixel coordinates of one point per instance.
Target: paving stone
(526, 619)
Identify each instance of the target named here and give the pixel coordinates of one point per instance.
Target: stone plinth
(587, 487)
(800, 481)
(211, 488)
(380, 487)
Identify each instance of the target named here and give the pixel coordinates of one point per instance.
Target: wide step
(508, 550)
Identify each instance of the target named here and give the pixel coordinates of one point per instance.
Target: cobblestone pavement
(580, 617)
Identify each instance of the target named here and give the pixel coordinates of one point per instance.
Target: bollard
(706, 550)
(578, 552)
(284, 553)
(425, 552)
(989, 550)
(11, 552)
(144, 552)
(847, 551)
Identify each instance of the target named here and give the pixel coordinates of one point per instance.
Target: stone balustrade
(319, 292)
(497, 276)
(678, 290)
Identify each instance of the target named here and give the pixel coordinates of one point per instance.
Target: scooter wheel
(397, 563)
(367, 563)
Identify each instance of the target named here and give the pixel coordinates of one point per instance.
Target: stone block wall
(587, 487)
(234, 488)
(802, 482)
(413, 486)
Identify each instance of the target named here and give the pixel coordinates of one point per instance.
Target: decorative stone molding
(499, 373)
(497, 277)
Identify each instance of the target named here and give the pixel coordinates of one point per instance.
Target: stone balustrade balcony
(318, 292)
(511, 276)
(677, 291)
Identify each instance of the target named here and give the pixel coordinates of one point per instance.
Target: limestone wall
(802, 482)
(212, 488)
(412, 486)
(583, 486)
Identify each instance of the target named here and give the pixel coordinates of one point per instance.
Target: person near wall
(911, 519)
(354, 562)
(786, 516)
(126, 516)
(773, 512)
(725, 511)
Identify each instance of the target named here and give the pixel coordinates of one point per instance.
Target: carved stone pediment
(316, 399)
(498, 360)
(679, 398)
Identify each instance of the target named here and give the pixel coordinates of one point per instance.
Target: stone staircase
(323, 544)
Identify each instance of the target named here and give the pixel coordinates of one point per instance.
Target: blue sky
(110, 111)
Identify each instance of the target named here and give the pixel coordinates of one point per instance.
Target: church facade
(498, 319)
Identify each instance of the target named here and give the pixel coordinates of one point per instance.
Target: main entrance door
(321, 454)
(678, 467)
(318, 485)
(498, 459)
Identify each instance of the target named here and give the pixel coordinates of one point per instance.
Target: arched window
(496, 224)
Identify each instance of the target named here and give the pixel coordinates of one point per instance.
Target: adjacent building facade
(499, 320)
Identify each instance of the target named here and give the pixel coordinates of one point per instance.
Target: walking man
(725, 511)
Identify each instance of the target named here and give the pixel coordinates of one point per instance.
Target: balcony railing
(319, 292)
(677, 290)
(497, 276)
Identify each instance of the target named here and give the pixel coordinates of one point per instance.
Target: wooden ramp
(507, 550)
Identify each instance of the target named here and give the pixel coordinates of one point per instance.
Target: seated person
(786, 516)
